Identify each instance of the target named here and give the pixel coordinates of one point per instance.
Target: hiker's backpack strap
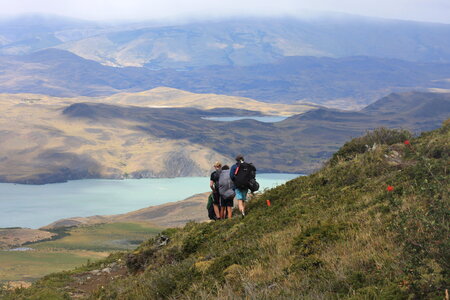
(237, 169)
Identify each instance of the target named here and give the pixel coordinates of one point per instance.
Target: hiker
(214, 185)
(226, 191)
(243, 175)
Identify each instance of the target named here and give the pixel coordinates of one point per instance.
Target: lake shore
(37, 206)
(172, 214)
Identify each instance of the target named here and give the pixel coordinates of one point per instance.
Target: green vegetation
(31, 265)
(380, 136)
(336, 234)
(75, 247)
(104, 237)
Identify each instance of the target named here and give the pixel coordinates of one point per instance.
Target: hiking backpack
(226, 186)
(215, 177)
(253, 185)
(244, 176)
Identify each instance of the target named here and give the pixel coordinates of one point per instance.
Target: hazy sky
(421, 10)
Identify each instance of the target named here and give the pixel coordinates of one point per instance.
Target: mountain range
(351, 82)
(87, 100)
(238, 42)
(335, 60)
(58, 140)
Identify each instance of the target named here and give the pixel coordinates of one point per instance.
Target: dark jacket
(233, 170)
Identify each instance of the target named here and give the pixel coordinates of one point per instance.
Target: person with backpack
(243, 176)
(226, 191)
(214, 185)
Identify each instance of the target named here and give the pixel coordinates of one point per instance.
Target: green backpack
(210, 201)
(210, 207)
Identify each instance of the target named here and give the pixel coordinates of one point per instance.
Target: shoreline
(128, 177)
(38, 206)
(171, 214)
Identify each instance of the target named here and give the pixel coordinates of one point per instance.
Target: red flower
(268, 202)
(390, 188)
(407, 143)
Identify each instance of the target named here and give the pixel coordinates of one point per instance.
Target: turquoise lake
(34, 206)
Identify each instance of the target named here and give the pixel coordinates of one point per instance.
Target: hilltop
(373, 223)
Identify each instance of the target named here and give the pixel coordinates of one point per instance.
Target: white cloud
(422, 10)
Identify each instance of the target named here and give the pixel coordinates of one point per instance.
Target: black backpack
(253, 185)
(244, 177)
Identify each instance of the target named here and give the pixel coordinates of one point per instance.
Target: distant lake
(34, 206)
(265, 119)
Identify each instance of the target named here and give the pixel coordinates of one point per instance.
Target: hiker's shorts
(227, 202)
(241, 194)
(216, 198)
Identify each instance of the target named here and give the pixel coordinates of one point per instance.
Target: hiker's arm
(232, 170)
(211, 185)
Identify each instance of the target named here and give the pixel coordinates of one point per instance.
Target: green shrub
(197, 235)
(172, 280)
(379, 136)
(309, 241)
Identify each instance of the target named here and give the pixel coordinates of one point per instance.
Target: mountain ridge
(325, 81)
(251, 41)
(84, 137)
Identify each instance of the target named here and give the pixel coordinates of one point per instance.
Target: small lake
(265, 119)
(20, 249)
(34, 206)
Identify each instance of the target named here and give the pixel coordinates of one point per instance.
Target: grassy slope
(338, 233)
